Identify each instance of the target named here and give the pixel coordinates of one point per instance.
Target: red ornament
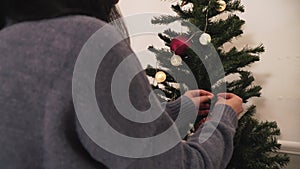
(179, 45)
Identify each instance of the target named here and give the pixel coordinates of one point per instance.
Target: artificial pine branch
(165, 19)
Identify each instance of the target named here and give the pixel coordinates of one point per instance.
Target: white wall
(276, 24)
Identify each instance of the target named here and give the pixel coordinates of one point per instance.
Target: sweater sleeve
(173, 107)
(214, 152)
(212, 143)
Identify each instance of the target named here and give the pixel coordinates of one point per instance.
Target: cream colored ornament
(160, 76)
(205, 39)
(176, 60)
(222, 5)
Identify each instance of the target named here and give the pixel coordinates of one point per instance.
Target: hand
(200, 98)
(232, 100)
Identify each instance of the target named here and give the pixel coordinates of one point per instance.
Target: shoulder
(80, 21)
(67, 25)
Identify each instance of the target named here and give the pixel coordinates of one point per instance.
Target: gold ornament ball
(176, 60)
(160, 76)
(205, 39)
(222, 5)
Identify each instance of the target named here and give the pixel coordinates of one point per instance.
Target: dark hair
(29, 10)
(2, 19)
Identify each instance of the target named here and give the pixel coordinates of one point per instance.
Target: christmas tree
(256, 144)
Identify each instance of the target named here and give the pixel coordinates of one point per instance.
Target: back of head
(28, 10)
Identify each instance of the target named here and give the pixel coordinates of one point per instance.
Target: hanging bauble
(222, 5)
(176, 60)
(160, 76)
(205, 39)
(179, 45)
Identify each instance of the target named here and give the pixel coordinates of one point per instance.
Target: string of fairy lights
(179, 44)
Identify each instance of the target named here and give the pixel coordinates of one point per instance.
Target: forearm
(173, 107)
(213, 153)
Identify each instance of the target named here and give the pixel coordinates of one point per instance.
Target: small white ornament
(176, 60)
(222, 5)
(205, 39)
(160, 76)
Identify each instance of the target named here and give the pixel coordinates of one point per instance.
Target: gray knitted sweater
(38, 125)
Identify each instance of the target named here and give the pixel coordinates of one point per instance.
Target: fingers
(199, 92)
(232, 100)
(226, 95)
(205, 93)
(204, 99)
(230, 96)
(199, 96)
(201, 99)
(198, 101)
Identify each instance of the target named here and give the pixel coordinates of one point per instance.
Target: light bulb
(205, 39)
(176, 60)
(160, 76)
